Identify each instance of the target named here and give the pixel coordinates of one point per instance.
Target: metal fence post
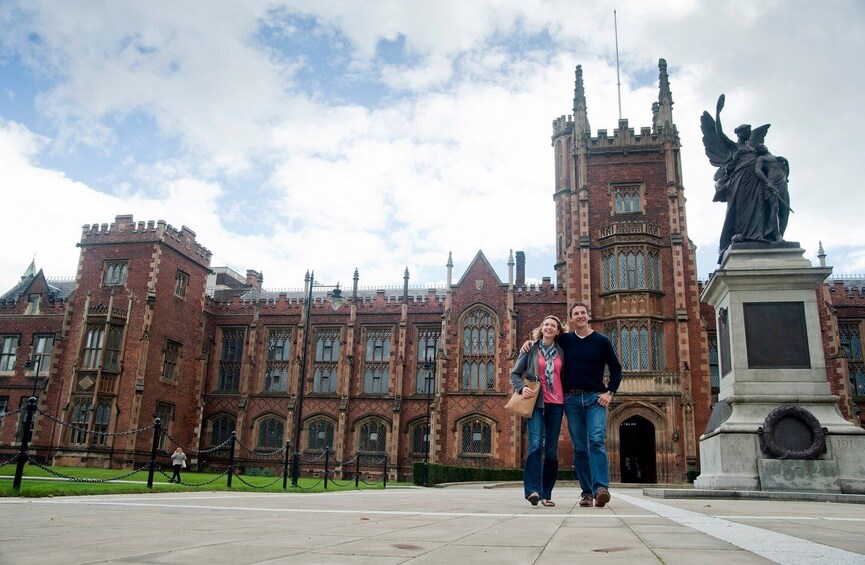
(357, 470)
(384, 477)
(285, 466)
(326, 465)
(157, 428)
(25, 442)
(231, 458)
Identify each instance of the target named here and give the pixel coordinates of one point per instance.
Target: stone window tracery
(630, 269)
(478, 350)
(326, 360)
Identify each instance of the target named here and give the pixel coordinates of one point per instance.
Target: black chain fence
(231, 457)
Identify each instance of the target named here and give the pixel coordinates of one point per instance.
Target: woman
(178, 461)
(542, 362)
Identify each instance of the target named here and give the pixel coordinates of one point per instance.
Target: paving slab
(469, 524)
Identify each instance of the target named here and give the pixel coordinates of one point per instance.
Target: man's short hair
(574, 305)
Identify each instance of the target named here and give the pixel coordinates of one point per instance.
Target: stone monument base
(776, 425)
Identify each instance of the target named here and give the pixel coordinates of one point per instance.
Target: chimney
(521, 269)
(253, 278)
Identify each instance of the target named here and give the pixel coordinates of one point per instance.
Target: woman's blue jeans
(587, 426)
(542, 459)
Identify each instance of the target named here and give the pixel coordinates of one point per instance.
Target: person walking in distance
(587, 353)
(178, 461)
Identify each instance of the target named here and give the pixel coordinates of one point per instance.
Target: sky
(382, 135)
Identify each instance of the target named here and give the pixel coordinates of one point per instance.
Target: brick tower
(133, 333)
(622, 247)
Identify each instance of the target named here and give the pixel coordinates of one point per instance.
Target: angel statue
(752, 182)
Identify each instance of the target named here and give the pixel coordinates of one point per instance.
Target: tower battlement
(624, 136)
(125, 230)
(563, 125)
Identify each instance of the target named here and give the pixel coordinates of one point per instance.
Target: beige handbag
(519, 404)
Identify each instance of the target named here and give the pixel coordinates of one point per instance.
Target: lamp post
(429, 380)
(337, 299)
(29, 365)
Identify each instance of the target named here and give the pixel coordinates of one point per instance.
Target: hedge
(455, 474)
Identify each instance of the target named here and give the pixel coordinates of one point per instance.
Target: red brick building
(148, 329)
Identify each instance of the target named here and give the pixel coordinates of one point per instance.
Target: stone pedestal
(771, 354)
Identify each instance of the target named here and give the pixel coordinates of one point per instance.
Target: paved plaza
(455, 525)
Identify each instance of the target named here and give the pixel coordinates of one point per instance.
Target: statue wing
(717, 150)
(758, 135)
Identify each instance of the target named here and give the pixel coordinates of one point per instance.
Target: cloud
(288, 159)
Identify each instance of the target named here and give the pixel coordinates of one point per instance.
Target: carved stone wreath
(779, 420)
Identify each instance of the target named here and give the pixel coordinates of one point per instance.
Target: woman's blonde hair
(536, 333)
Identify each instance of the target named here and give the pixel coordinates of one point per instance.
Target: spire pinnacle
(581, 117)
(664, 116)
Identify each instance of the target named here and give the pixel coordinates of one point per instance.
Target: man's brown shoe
(602, 497)
(586, 500)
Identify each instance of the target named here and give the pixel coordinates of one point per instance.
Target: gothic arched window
(478, 350)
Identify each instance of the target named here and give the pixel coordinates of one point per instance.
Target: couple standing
(570, 366)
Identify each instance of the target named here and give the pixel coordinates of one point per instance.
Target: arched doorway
(637, 451)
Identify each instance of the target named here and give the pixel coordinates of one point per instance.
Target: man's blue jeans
(587, 426)
(542, 459)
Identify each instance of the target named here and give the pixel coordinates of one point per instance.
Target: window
(112, 349)
(80, 421)
(114, 273)
(658, 353)
(377, 362)
(270, 432)
(419, 438)
(92, 358)
(42, 346)
(278, 359)
(639, 345)
(626, 199)
(221, 429)
(4, 407)
(230, 359)
(373, 436)
(8, 350)
(851, 348)
(101, 420)
(479, 341)
(33, 302)
(477, 438)
(165, 413)
(428, 343)
(319, 435)
(326, 358)
(169, 362)
(181, 281)
(632, 269)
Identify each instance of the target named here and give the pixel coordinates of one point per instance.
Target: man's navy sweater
(585, 359)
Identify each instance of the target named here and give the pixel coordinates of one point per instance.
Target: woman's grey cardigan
(527, 366)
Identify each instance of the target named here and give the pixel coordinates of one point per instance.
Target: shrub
(457, 474)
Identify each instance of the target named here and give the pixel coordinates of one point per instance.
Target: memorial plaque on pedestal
(724, 341)
(775, 335)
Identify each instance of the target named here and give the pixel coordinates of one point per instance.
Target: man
(586, 354)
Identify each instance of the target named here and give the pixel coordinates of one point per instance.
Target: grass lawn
(36, 482)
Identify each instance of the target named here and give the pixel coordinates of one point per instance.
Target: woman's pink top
(556, 395)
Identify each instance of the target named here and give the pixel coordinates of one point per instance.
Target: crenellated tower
(622, 248)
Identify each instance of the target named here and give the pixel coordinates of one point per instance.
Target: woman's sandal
(548, 503)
